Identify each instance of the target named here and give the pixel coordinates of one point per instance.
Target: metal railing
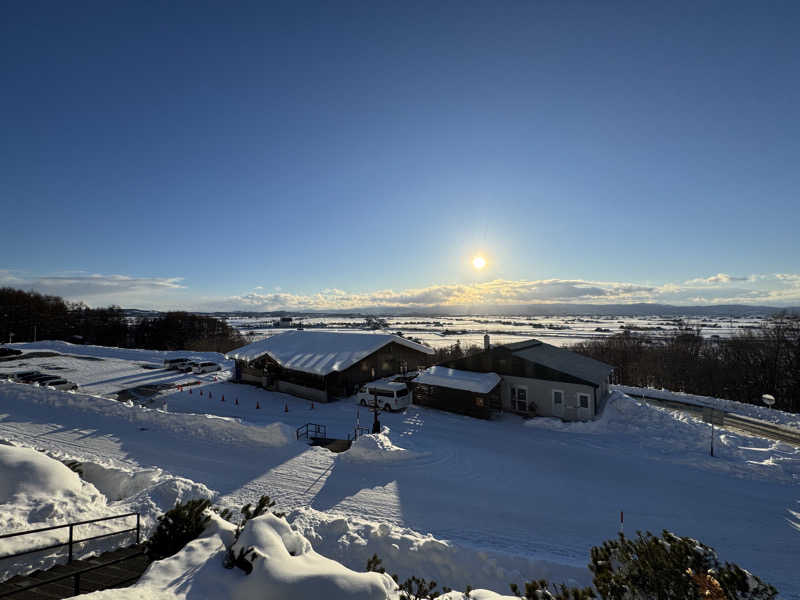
(312, 430)
(359, 431)
(77, 577)
(72, 541)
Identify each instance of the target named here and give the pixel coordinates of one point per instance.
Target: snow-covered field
(459, 500)
(437, 332)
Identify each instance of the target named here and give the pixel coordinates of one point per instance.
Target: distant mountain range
(617, 310)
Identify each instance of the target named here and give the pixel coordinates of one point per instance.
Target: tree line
(30, 316)
(757, 361)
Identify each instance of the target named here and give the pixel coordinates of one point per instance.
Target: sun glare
(479, 262)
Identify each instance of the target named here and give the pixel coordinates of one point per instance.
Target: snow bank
(755, 411)
(207, 427)
(284, 566)
(352, 541)
(136, 354)
(376, 447)
(681, 438)
(38, 491)
(26, 472)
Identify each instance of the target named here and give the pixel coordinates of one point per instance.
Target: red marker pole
(621, 522)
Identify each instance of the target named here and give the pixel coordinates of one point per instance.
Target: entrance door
(571, 408)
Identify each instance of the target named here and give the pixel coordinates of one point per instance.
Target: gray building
(539, 379)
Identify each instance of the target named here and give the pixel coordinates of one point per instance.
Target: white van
(391, 395)
(206, 367)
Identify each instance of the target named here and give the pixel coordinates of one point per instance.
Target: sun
(479, 262)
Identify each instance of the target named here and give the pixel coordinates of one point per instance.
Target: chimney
(486, 344)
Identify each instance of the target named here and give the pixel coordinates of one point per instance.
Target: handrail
(77, 575)
(303, 430)
(71, 541)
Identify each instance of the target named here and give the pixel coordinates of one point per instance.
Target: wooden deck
(132, 563)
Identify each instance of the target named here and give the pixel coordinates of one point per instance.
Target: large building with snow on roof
(323, 365)
(535, 379)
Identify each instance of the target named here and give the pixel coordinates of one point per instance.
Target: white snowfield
(483, 503)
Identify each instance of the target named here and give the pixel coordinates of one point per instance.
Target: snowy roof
(564, 361)
(320, 352)
(471, 381)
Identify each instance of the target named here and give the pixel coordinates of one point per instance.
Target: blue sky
(322, 155)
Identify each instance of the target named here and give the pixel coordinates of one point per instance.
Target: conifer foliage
(177, 527)
(670, 567)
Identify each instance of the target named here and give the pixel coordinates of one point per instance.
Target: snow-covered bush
(177, 527)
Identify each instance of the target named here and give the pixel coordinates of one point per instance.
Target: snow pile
(207, 427)
(405, 552)
(284, 566)
(38, 491)
(682, 438)
(26, 472)
(754, 411)
(376, 447)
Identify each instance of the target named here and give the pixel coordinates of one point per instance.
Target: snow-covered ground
(462, 501)
(755, 411)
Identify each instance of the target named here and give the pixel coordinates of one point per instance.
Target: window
(558, 397)
(522, 394)
(583, 400)
(478, 401)
(403, 392)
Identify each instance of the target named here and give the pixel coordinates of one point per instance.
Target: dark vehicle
(22, 376)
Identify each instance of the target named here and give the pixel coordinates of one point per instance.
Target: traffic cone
(286, 407)
(237, 401)
(201, 392)
(223, 397)
(257, 404)
(312, 405)
(190, 390)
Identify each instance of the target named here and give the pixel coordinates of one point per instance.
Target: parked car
(391, 395)
(176, 363)
(189, 366)
(59, 384)
(25, 376)
(206, 367)
(43, 380)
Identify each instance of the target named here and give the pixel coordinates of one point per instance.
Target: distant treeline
(764, 360)
(28, 316)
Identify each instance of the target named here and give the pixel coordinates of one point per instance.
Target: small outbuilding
(322, 365)
(465, 392)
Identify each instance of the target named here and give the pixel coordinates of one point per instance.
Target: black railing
(72, 541)
(77, 577)
(359, 431)
(312, 430)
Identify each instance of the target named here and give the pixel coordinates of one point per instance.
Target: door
(558, 403)
(571, 408)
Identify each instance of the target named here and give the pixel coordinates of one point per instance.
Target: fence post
(70, 543)
(138, 528)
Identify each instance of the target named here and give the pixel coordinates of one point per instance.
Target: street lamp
(768, 399)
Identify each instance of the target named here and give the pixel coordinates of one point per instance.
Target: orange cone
(201, 392)
(286, 407)
(312, 405)
(237, 401)
(257, 404)
(223, 397)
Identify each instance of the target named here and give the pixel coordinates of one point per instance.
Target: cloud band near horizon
(778, 289)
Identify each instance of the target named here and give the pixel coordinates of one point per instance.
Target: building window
(583, 400)
(478, 401)
(522, 394)
(558, 398)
